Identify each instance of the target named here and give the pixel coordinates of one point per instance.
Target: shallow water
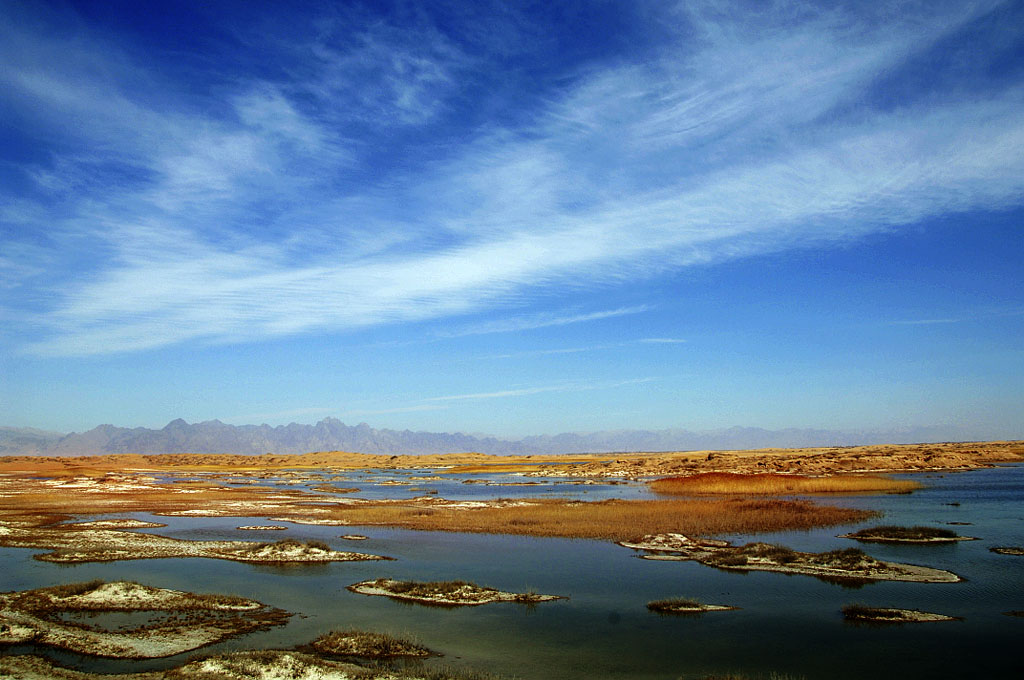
(786, 624)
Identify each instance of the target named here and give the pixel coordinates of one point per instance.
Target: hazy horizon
(330, 434)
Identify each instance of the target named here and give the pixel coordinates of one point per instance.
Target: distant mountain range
(331, 434)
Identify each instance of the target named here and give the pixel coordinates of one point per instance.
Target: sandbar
(892, 615)
(686, 606)
(1008, 550)
(848, 564)
(249, 665)
(71, 544)
(33, 617)
(445, 594)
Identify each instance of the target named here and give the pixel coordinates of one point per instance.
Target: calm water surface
(786, 624)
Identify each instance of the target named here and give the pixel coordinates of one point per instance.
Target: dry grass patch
(508, 467)
(614, 520)
(445, 593)
(685, 605)
(769, 484)
(1008, 550)
(848, 564)
(368, 645)
(916, 534)
(865, 614)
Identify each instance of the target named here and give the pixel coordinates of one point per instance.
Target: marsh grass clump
(861, 612)
(849, 559)
(72, 589)
(1008, 550)
(897, 533)
(266, 664)
(450, 673)
(368, 645)
(445, 593)
(772, 484)
(121, 596)
(779, 554)
(291, 545)
(674, 604)
(742, 555)
(428, 588)
(617, 520)
(728, 560)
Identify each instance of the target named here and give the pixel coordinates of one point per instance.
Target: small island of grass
(862, 613)
(915, 534)
(445, 593)
(368, 645)
(1008, 550)
(685, 605)
(262, 527)
(116, 523)
(291, 550)
(848, 564)
(70, 544)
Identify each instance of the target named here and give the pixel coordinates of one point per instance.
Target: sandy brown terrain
(823, 460)
(38, 495)
(33, 617)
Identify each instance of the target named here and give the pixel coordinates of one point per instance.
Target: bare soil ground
(821, 460)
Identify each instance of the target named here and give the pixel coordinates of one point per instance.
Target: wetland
(156, 527)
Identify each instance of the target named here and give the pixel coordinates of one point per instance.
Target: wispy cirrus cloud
(974, 315)
(398, 409)
(528, 391)
(743, 139)
(579, 350)
(545, 320)
(662, 341)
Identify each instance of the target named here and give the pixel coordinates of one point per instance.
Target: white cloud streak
(397, 409)
(528, 391)
(546, 320)
(703, 155)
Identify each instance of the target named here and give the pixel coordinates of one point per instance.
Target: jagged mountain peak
(331, 434)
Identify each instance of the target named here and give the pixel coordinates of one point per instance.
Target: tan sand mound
(35, 617)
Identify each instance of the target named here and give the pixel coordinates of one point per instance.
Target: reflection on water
(787, 624)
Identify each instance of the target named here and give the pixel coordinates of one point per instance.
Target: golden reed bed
(613, 520)
(766, 484)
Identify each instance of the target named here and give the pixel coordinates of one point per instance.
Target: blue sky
(513, 218)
